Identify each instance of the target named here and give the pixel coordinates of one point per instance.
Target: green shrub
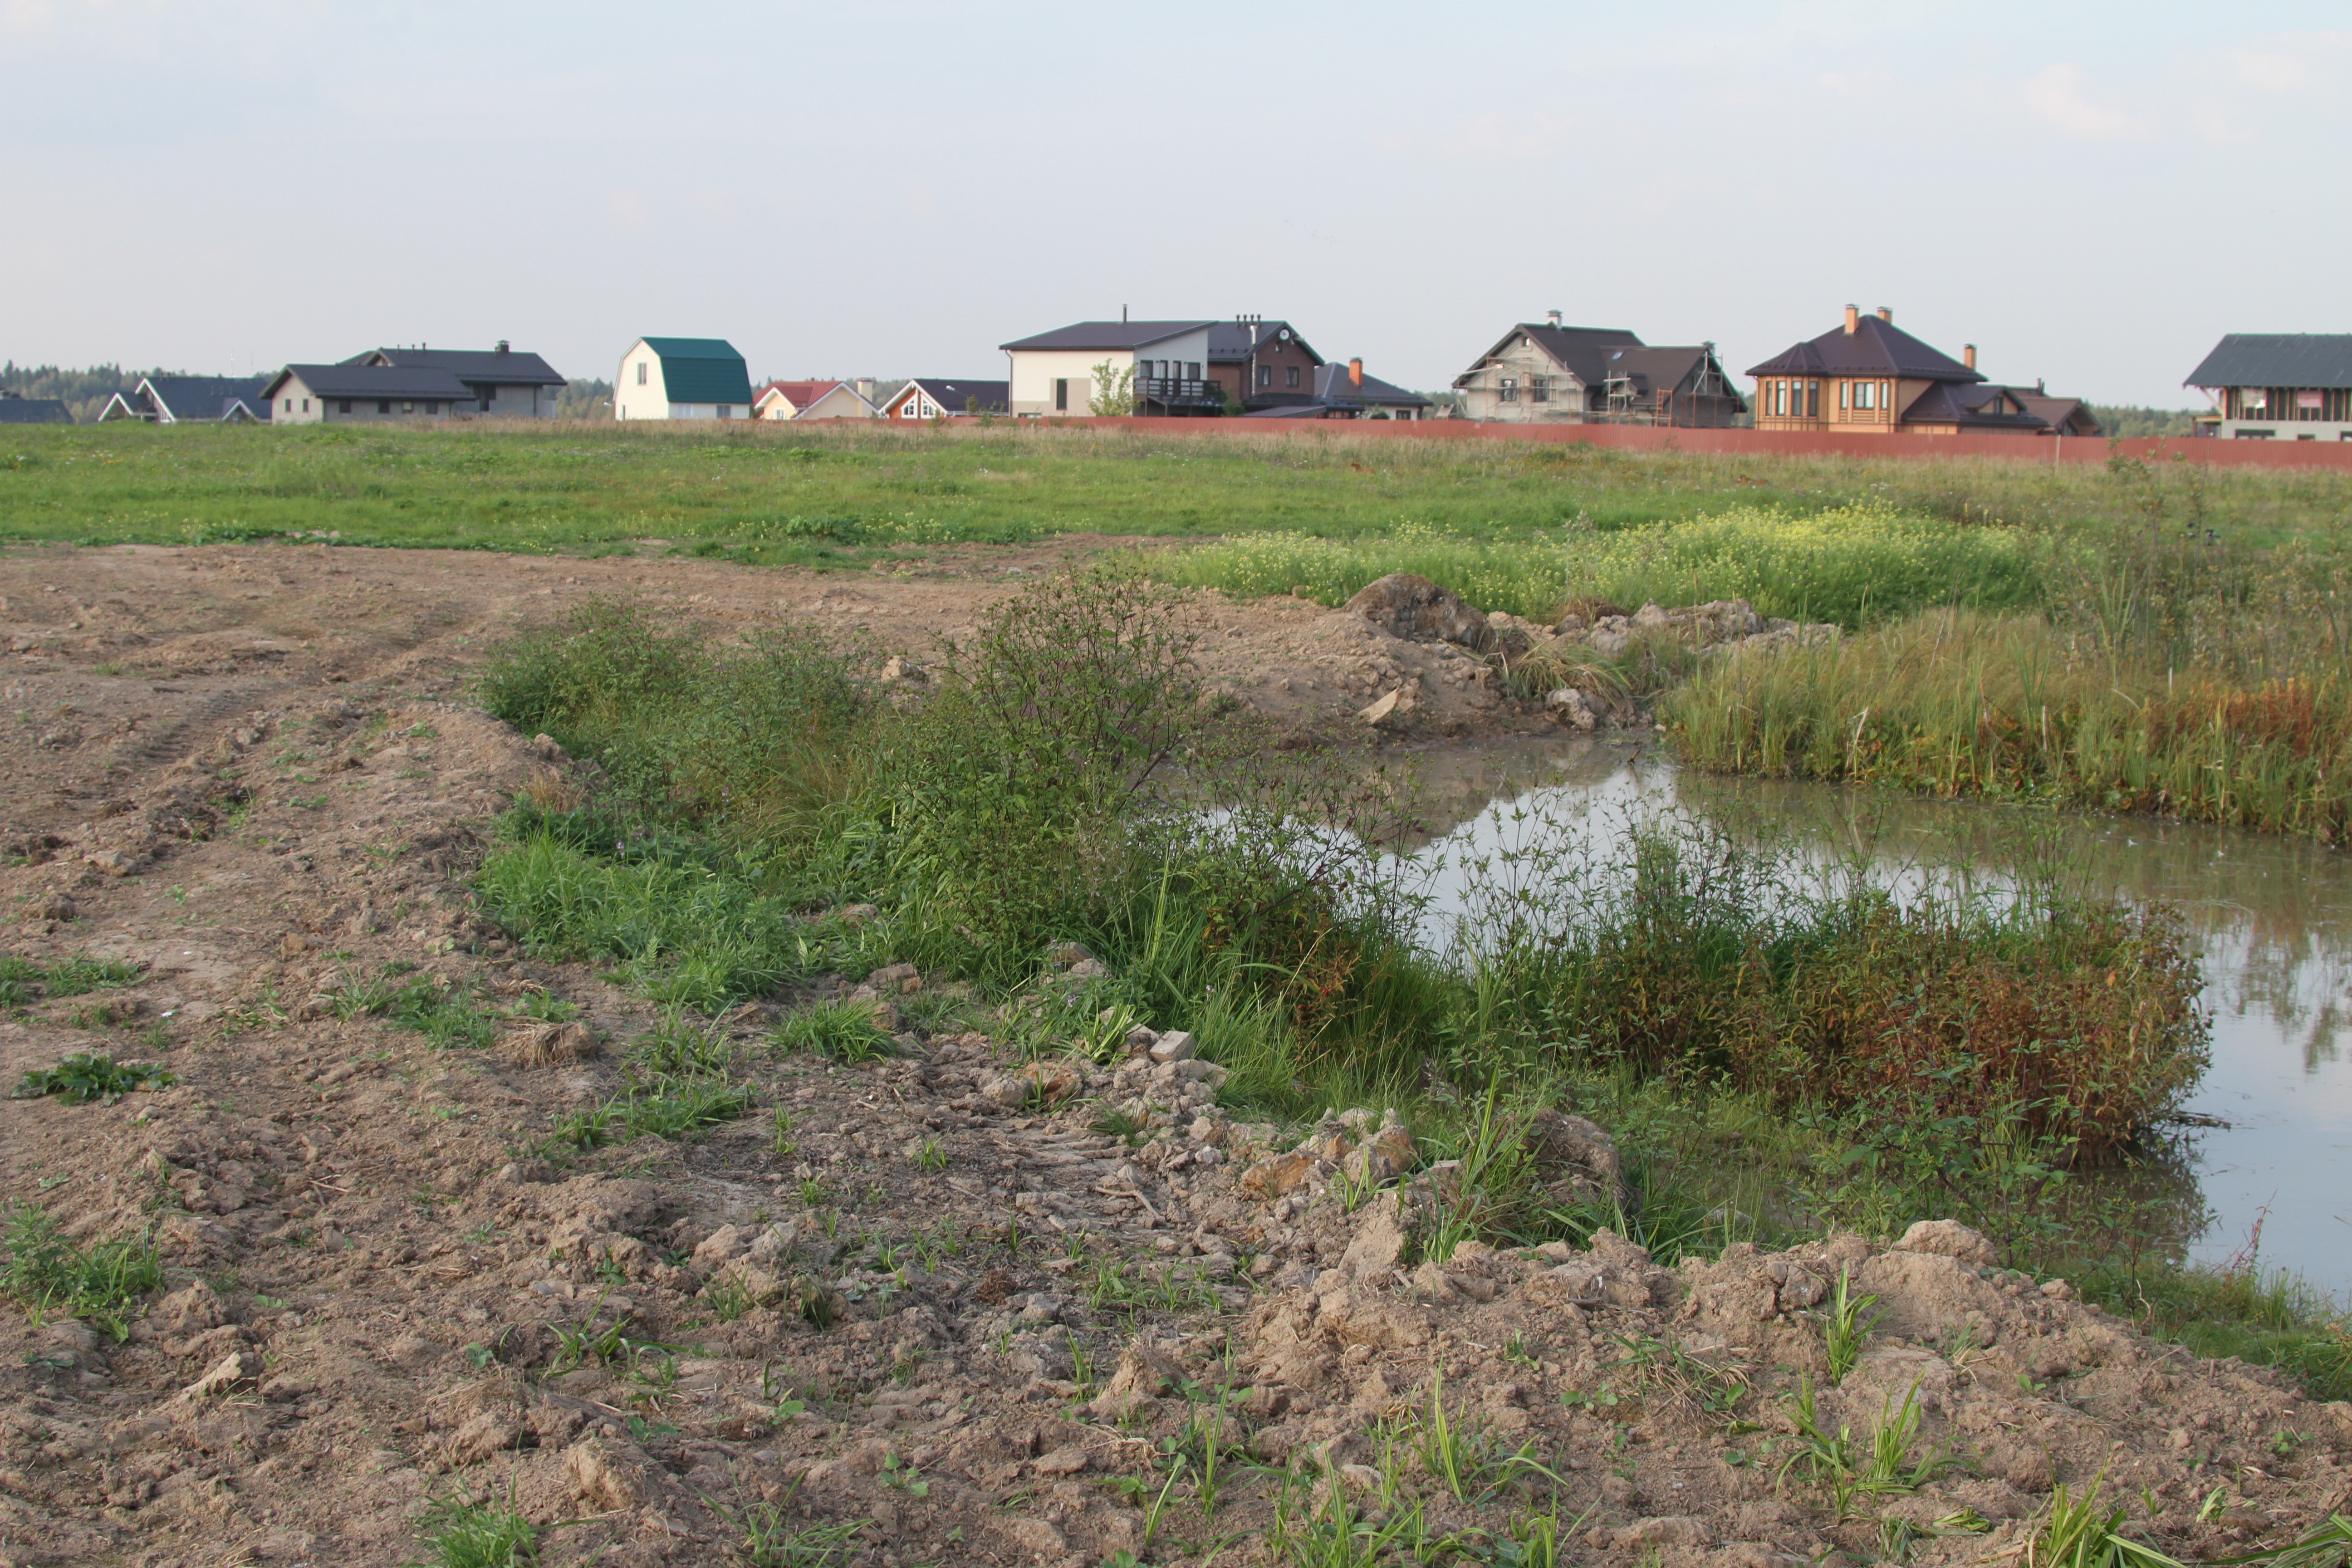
(79, 1080)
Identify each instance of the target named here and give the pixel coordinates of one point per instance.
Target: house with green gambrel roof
(682, 378)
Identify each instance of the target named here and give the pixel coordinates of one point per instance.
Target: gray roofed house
(2295, 387)
(367, 394)
(16, 408)
(1256, 363)
(1550, 373)
(682, 378)
(931, 396)
(1161, 364)
(1345, 391)
(190, 399)
(504, 383)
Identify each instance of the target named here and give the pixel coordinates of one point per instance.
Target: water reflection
(2273, 918)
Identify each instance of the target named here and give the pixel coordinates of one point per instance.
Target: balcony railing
(1175, 389)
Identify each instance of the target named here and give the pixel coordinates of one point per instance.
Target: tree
(1114, 390)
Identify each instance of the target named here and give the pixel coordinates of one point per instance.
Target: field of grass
(780, 493)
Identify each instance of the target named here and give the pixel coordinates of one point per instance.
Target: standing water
(2269, 1131)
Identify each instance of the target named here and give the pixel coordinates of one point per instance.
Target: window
(726, 411)
(1843, 393)
(1265, 375)
(1887, 394)
(1538, 389)
(1061, 395)
(485, 403)
(641, 372)
(2256, 435)
(1865, 395)
(1193, 371)
(1813, 400)
(1779, 399)
(343, 407)
(290, 406)
(383, 407)
(306, 405)
(1290, 375)
(1507, 390)
(408, 408)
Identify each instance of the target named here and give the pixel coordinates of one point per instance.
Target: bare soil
(973, 1328)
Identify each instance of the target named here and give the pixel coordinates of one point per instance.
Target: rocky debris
(1396, 704)
(1418, 610)
(1716, 623)
(236, 1368)
(1577, 709)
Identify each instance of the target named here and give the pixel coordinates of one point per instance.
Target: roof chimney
(1969, 356)
(1122, 315)
(502, 346)
(1552, 317)
(1853, 319)
(1884, 314)
(1356, 373)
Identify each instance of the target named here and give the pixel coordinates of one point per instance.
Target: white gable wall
(1034, 371)
(640, 392)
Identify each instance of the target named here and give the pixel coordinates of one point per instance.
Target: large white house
(1054, 372)
(682, 378)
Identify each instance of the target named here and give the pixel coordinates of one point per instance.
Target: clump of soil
(945, 1305)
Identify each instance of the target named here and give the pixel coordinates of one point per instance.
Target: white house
(1054, 372)
(192, 399)
(682, 378)
(931, 397)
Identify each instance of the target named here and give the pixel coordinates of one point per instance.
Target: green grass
(1847, 564)
(461, 1533)
(843, 1031)
(48, 1272)
(24, 981)
(843, 497)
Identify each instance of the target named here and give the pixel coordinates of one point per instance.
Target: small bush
(48, 1272)
(843, 1031)
(79, 1080)
(663, 1109)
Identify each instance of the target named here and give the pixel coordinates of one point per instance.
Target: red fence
(1758, 443)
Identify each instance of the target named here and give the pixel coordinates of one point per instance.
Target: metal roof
(1107, 335)
(1875, 347)
(1230, 342)
(702, 369)
(205, 397)
(378, 381)
(1332, 386)
(480, 365)
(15, 410)
(959, 396)
(2311, 360)
(1578, 350)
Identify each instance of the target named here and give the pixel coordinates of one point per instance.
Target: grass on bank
(1774, 1054)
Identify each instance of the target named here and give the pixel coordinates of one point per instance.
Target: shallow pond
(2272, 917)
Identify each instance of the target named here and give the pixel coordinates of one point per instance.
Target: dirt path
(934, 1310)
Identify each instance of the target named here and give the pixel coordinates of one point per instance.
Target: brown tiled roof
(1875, 347)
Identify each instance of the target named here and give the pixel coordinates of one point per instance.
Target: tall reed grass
(1957, 702)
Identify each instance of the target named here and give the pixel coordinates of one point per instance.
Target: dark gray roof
(1968, 405)
(15, 410)
(2277, 359)
(481, 366)
(1875, 347)
(1229, 342)
(1107, 335)
(203, 398)
(2054, 411)
(372, 381)
(961, 396)
(1579, 349)
(1333, 387)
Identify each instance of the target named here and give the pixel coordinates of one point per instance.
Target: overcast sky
(2092, 193)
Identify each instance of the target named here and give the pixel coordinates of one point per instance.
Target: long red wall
(2272, 454)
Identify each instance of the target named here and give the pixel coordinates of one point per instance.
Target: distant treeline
(86, 392)
(2117, 419)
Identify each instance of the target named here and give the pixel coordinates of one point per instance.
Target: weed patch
(47, 1272)
(82, 1080)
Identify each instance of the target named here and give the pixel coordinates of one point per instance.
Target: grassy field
(788, 493)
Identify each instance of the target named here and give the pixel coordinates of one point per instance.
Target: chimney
(1552, 317)
(502, 346)
(865, 387)
(2041, 386)
(1969, 356)
(1122, 315)
(1884, 314)
(1853, 319)
(1356, 373)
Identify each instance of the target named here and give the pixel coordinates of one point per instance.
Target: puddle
(2273, 918)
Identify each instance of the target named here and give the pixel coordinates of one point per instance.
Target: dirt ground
(920, 1310)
